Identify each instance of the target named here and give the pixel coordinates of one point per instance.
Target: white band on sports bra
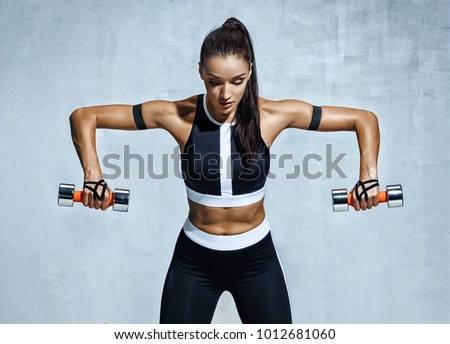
(226, 242)
(225, 200)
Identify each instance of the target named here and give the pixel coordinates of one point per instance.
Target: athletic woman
(224, 136)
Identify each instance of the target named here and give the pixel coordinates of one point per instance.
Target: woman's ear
(200, 70)
(251, 68)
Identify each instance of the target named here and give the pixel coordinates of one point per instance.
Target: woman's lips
(226, 105)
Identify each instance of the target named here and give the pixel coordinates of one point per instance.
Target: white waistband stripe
(226, 242)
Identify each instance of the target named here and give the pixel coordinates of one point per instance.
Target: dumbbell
(393, 196)
(67, 195)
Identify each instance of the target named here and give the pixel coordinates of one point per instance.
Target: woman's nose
(225, 93)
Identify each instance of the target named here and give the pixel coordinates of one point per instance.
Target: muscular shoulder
(166, 114)
(186, 107)
(277, 115)
(286, 113)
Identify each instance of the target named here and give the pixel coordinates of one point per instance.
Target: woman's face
(225, 81)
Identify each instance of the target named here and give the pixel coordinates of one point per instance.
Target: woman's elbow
(372, 119)
(75, 115)
(367, 118)
(372, 116)
(79, 115)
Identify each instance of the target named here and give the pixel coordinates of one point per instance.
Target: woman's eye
(217, 83)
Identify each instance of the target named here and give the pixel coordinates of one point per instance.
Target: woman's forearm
(368, 134)
(83, 125)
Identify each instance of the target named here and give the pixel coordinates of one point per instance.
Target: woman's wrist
(92, 173)
(366, 173)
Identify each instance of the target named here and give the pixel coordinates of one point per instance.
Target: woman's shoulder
(182, 108)
(277, 115)
(178, 118)
(265, 104)
(270, 109)
(168, 114)
(273, 107)
(186, 105)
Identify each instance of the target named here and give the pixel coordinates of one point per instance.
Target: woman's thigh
(187, 299)
(261, 294)
(190, 294)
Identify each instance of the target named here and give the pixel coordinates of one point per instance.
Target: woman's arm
(365, 124)
(85, 121)
(298, 114)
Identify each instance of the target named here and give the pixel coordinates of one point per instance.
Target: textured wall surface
(73, 265)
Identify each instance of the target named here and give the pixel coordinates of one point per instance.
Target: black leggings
(198, 275)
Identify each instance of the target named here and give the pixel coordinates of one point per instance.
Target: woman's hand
(96, 192)
(365, 194)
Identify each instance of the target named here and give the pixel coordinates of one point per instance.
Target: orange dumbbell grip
(382, 197)
(77, 197)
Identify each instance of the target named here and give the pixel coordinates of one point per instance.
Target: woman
(224, 136)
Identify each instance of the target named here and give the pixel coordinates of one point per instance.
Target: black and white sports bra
(212, 167)
(213, 171)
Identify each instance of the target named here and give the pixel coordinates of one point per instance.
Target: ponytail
(232, 38)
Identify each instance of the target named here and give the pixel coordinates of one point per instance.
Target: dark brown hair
(232, 38)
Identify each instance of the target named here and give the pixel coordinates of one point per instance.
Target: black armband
(315, 119)
(137, 115)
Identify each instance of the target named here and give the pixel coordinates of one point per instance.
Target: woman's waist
(226, 221)
(227, 242)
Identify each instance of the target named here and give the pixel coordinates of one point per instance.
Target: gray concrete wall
(73, 265)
